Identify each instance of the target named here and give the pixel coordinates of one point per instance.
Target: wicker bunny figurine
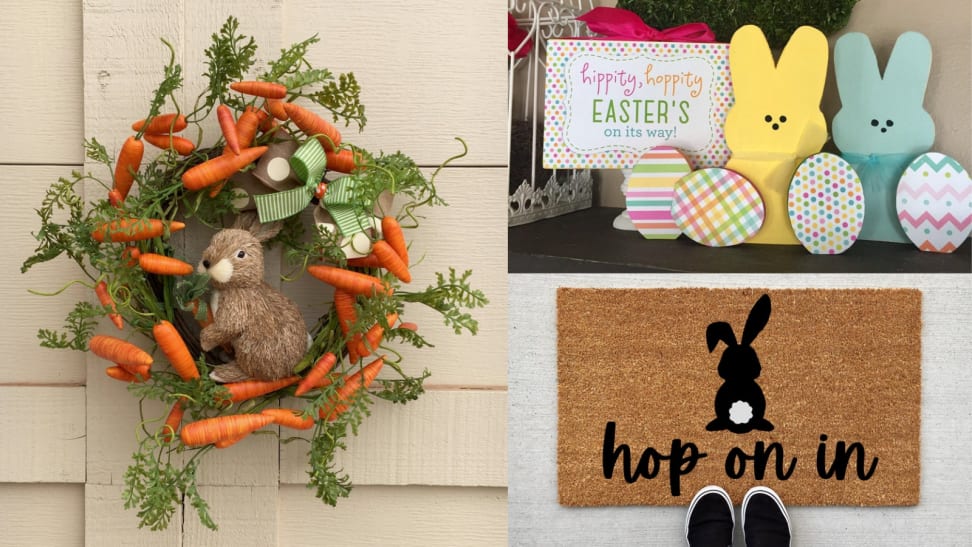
(265, 327)
(776, 120)
(882, 124)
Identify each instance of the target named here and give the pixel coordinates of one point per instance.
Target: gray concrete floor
(943, 516)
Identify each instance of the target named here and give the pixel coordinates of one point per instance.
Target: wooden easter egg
(717, 207)
(650, 190)
(934, 202)
(826, 204)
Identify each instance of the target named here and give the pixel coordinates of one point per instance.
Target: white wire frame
(567, 190)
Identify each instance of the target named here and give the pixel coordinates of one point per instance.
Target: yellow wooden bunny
(776, 120)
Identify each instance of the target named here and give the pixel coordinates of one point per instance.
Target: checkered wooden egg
(717, 207)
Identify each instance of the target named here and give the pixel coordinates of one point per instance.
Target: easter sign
(608, 101)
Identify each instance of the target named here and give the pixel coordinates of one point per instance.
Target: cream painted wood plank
(428, 72)
(25, 361)
(42, 514)
(42, 434)
(940, 519)
(107, 522)
(444, 438)
(468, 234)
(40, 52)
(402, 516)
(246, 516)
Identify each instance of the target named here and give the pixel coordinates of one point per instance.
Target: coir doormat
(815, 393)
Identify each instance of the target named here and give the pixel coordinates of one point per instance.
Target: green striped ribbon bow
(308, 163)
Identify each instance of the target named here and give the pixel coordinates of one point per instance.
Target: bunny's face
(777, 105)
(234, 257)
(883, 115)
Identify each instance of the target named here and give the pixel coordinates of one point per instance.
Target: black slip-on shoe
(764, 519)
(710, 519)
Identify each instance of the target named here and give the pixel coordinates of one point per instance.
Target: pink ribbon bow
(621, 24)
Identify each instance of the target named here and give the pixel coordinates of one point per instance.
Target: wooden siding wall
(430, 473)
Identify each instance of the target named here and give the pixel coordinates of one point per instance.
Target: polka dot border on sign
(826, 204)
(560, 52)
(717, 207)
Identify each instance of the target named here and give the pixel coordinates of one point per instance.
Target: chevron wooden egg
(650, 190)
(826, 204)
(717, 207)
(934, 202)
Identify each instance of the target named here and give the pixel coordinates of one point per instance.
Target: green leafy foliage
(228, 59)
(449, 296)
(777, 19)
(79, 325)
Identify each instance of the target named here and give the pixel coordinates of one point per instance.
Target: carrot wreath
(197, 168)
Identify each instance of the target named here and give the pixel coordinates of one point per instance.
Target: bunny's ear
(717, 331)
(856, 68)
(250, 222)
(758, 317)
(750, 63)
(908, 68)
(802, 69)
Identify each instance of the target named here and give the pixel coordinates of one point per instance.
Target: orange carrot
(353, 282)
(165, 141)
(115, 198)
(275, 107)
(359, 380)
(134, 229)
(175, 350)
(209, 314)
(409, 326)
(219, 168)
(118, 350)
(344, 308)
(343, 161)
(101, 289)
(121, 374)
(246, 126)
(229, 442)
(130, 256)
(163, 123)
(141, 372)
(163, 265)
(129, 159)
(267, 123)
(391, 230)
(317, 375)
(375, 334)
(289, 418)
(390, 260)
(313, 125)
(228, 126)
(173, 421)
(249, 389)
(370, 261)
(222, 428)
(267, 90)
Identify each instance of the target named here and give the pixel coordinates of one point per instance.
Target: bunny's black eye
(874, 123)
(889, 123)
(782, 119)
(241, 253)
(768, 118)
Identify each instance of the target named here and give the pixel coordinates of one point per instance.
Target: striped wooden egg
(717, 207)
(650, 190)
(934, 202)
(826, 204)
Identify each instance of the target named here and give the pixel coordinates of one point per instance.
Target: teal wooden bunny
(882, 124)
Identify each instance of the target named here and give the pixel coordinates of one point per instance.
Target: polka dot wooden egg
(717, 207)
(650, 190)
(826, 204)
(934, 202)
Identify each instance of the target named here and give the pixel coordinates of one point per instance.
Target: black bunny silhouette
(739, 403)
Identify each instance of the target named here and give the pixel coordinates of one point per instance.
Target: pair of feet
(710, 519)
